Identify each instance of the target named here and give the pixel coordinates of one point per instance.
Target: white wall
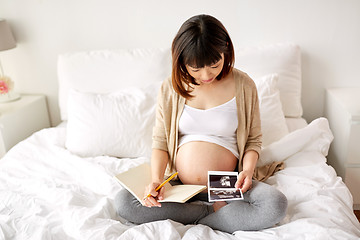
(328, 31)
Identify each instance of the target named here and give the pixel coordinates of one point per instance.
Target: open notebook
(136, 179)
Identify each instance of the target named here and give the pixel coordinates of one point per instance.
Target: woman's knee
(124, 204)
(279, 205)
(273, 201)
(276, 204)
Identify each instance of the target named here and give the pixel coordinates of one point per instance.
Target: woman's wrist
(159, 160)
(248, 172)
(249, 161)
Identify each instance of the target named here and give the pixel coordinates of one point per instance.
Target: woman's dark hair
(199, 42)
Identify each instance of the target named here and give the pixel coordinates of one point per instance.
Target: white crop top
(216, 125)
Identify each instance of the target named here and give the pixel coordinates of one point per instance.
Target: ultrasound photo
(221, 186)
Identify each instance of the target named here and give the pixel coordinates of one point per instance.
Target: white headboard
(283, 59)
(110, 70)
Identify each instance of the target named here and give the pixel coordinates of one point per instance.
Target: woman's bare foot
(218, 205)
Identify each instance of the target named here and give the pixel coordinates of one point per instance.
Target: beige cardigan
(169, 109)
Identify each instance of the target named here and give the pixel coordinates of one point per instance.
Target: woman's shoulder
(167, 89)
(166, 83)
(243, 79)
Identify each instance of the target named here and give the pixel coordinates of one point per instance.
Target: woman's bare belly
(195, 159)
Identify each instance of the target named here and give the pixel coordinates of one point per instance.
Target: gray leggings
(263, 207)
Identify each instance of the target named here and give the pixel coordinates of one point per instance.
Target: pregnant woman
(207, 119)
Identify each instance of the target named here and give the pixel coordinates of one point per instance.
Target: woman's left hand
(244, 180)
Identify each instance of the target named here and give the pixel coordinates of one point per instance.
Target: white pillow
(283, 59)
(273, 122)
(116, 124)
(120, 123)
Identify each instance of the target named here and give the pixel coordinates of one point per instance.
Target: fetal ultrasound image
(222, 181)
(222, 187)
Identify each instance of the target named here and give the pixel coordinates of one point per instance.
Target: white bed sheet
(48, 193)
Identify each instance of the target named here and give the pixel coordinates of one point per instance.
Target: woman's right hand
(152, 201)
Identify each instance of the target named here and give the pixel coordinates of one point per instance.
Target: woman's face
(207, 74)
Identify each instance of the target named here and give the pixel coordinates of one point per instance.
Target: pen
(161, 185)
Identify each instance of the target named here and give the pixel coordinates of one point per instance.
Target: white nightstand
(19, 119)
(342, 109)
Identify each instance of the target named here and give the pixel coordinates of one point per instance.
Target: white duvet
(48, 193)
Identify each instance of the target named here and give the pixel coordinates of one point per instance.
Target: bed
(59, 183)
